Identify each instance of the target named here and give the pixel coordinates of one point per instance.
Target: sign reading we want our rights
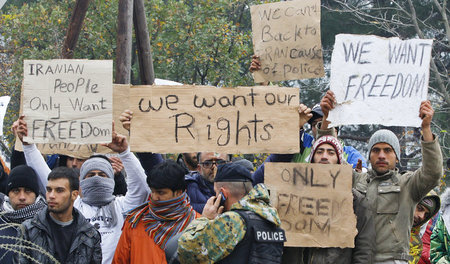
(173, 119)
(68, 101)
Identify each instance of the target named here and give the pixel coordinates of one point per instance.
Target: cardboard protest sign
(286, 37)
(378, 80)
(315, 203)
(4, 101)
(174, 119)
(68, 101)
(120, 103)
(2, 2)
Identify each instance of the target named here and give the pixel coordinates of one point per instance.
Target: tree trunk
(76, 21)
(143, 44)
(124, 39)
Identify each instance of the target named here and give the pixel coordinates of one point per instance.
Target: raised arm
(138, 189)
(427, 176)
(33, 156)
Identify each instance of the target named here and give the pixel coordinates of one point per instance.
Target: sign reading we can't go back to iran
(174, 119)
(286, 37)
(379, 80)
(314, 202)
(68, 101)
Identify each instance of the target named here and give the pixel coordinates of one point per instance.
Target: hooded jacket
(209, 241)
(415, 242)
(440, 239)
(85, 248)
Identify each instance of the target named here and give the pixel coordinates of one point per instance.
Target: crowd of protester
(206, 207)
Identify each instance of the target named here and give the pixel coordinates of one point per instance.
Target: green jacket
(394, 196)
(440, 239)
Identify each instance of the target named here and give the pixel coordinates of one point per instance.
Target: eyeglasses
(208, 163)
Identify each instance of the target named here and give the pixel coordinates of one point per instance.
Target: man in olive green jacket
(394, 195)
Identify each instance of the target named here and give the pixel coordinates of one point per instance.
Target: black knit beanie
(23, 176)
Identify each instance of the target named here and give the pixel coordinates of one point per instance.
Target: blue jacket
(199, 190)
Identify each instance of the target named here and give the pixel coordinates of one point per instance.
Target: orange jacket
(136, 246)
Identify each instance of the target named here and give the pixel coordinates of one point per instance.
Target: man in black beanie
(21, 202)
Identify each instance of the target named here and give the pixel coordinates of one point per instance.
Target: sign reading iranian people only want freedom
(314, 201)
(378, 80)
(173, 119)
(68, 101)
(286, 37)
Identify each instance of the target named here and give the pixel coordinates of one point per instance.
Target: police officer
(247, 232)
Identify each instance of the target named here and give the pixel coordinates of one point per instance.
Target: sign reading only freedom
(378, 80)
(68, 101)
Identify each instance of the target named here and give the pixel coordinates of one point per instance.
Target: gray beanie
(96, 163)
(385, 136)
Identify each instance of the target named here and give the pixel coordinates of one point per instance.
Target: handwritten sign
(68, 101)
(4, 101)
(173, 119)
(378, 80)
(121, 93)
(315, 203)
(286, 37)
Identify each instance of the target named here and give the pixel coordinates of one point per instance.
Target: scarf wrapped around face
(98, 191)
(163, 219)
(19, 216)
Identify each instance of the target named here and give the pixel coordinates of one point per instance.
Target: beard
(190, 161)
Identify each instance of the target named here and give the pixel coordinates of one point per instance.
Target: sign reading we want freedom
(68, 101)
(378, 80)
(174, 119)
(286, 37)
(314, 202)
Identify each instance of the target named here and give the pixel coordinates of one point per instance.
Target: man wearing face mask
(97, 202)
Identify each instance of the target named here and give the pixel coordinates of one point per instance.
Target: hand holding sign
(125, 118)
(305, 114)
(426, 114)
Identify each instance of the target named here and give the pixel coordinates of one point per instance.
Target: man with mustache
(394, 195)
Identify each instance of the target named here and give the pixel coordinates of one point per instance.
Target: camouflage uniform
(208, 241)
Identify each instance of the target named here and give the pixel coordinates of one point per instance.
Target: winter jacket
(85, 246)
(440, 239)
(209, 241)
(199, 190)
(394, 196)
(8, 230)
(10, 225)
(415, 242)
